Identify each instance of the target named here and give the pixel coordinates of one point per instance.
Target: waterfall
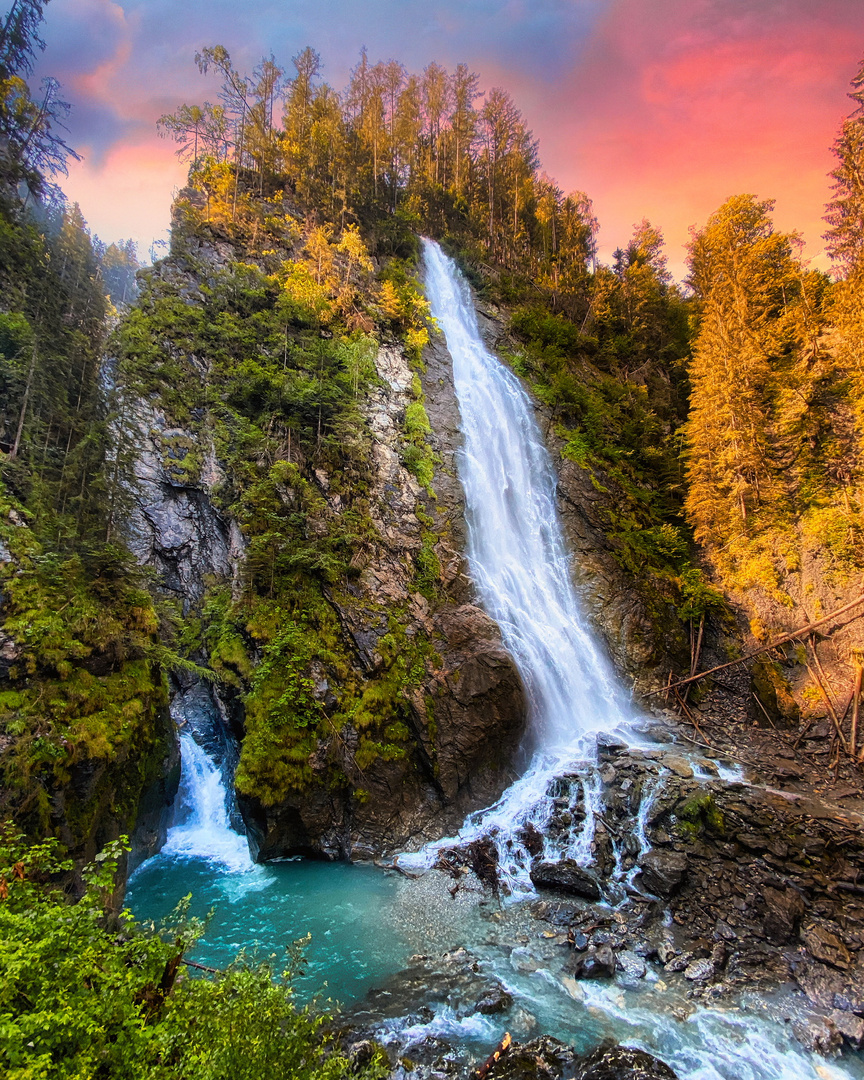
(520, 567)
(202, 828)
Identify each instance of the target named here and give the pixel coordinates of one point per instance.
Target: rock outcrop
(761, 886)
(463, 703)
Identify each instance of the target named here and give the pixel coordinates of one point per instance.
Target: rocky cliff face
(467, 711)
(462, 705)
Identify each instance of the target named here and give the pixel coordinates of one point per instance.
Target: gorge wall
(442, 706)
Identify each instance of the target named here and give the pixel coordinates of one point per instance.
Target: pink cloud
(130, 190)
(682, 104)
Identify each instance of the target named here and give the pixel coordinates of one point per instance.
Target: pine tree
(746, 278)
(845, 212)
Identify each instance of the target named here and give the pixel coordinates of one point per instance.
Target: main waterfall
(519, 564)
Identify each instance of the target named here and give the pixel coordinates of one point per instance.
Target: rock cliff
(456, 709)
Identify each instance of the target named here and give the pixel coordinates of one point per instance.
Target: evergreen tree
(744, 274)
(845, 212)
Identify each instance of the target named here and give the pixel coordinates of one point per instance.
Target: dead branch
(856, 700)
(814, 675)
(494, 1057)
(765, 648)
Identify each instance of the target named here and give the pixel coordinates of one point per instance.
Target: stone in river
(623, 1063)
(699, 970)
(568, 876)
(631, 965)
(594, 963)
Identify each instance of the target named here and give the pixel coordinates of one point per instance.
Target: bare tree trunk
(24, 405)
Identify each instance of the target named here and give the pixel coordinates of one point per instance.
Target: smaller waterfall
(201, 828)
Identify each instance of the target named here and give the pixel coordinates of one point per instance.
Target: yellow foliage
(389, 302)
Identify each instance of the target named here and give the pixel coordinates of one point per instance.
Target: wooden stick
(765, 648)
(856, 700)
(200, 967)
(814, 675)
(822, 673)
(498, 1053)
(697, 652)
(765, 711)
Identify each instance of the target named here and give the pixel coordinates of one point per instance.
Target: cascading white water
(519, 563)
(201, 827)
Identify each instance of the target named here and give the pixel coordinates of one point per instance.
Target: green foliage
(85, 689)
(772, 447)
(84, 992)
(427, 578)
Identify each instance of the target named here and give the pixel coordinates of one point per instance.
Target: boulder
(663, 872)
(699, 970)
(818, 1033)
(825, 946)
(596, 962)
(566, 876)
(632, 965)
(850, 1026)
(623, 1063)
(541, 1059)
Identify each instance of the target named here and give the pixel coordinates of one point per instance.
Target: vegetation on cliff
(82, 696)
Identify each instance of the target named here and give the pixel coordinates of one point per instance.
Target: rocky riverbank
(719, 884)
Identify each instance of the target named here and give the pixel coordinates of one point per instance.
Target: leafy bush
(87, 993)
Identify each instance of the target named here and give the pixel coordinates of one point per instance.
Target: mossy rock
(772, 692)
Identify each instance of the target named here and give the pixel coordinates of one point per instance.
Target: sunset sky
(655, 108)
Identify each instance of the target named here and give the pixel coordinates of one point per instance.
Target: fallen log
(765, 648)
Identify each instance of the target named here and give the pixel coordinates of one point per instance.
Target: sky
(658, 109)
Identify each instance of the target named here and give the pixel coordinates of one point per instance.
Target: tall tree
(747, 281)
(845, 212)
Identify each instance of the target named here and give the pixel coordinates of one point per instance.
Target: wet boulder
(663, 872)
(566, 876)
(596, 962)
(850, 1026)
(623, 1063)
(541, 1059)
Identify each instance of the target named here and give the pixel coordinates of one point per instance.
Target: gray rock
(632, 965)
(567, 876)
(678, 963)
(663, 872)
(850, 1026)
(595, 963)
(818, 1033)
(699, 970)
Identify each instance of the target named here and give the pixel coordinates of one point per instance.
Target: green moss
(701, 812)
(427, 576)
(86, 694)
